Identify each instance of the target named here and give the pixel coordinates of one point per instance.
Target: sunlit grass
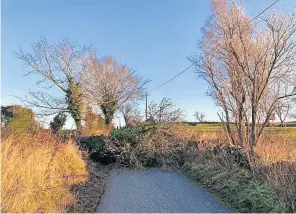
(269, 185)
(37, 172)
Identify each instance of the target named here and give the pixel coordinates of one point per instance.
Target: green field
(281, 130)
(208, 127)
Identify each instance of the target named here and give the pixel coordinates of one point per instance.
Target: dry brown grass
(275, 148)
(276, 165)
(37, 172)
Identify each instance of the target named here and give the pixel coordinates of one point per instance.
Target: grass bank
(38, 171)
(234, 185)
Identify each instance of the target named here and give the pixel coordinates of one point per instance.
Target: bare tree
(164, 118)
(131, 113)
(164, 113)
(199, 116)
(282, 110)
(60, 65)
(110, 84)
(249, 66)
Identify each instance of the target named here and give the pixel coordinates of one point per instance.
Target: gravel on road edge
(88, 194)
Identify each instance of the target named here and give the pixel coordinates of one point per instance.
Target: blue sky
(153, 37)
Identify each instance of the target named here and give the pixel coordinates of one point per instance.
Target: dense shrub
(93, 143)
(127, 135)
(58, 122)
(143, 157)
(17, 118)
(155, 148)
(105, 149)
(137, 148)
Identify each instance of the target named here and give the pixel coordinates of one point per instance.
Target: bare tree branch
(250, 67)
(59, 65)
(110, 85)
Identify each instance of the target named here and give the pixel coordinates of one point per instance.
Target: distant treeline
(205, 122)
(287, 124)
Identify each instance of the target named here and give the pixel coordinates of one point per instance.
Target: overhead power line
(265, 10)
(171, 78)
(193, 64)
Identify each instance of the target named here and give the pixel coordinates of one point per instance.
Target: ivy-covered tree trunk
(78, 125)
(108, 111)
(75, 103)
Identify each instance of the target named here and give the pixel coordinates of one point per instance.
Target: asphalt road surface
(156, 191)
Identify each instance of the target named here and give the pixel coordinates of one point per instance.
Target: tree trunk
(226, 126)
(108, 114)
(75, 104)
(126, 120)
(241, 125)
(253, 140)
(108, 118)
(78, 125)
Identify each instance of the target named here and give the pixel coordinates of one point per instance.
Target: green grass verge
(233, 185)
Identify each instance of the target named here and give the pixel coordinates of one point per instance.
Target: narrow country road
(156, 191)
